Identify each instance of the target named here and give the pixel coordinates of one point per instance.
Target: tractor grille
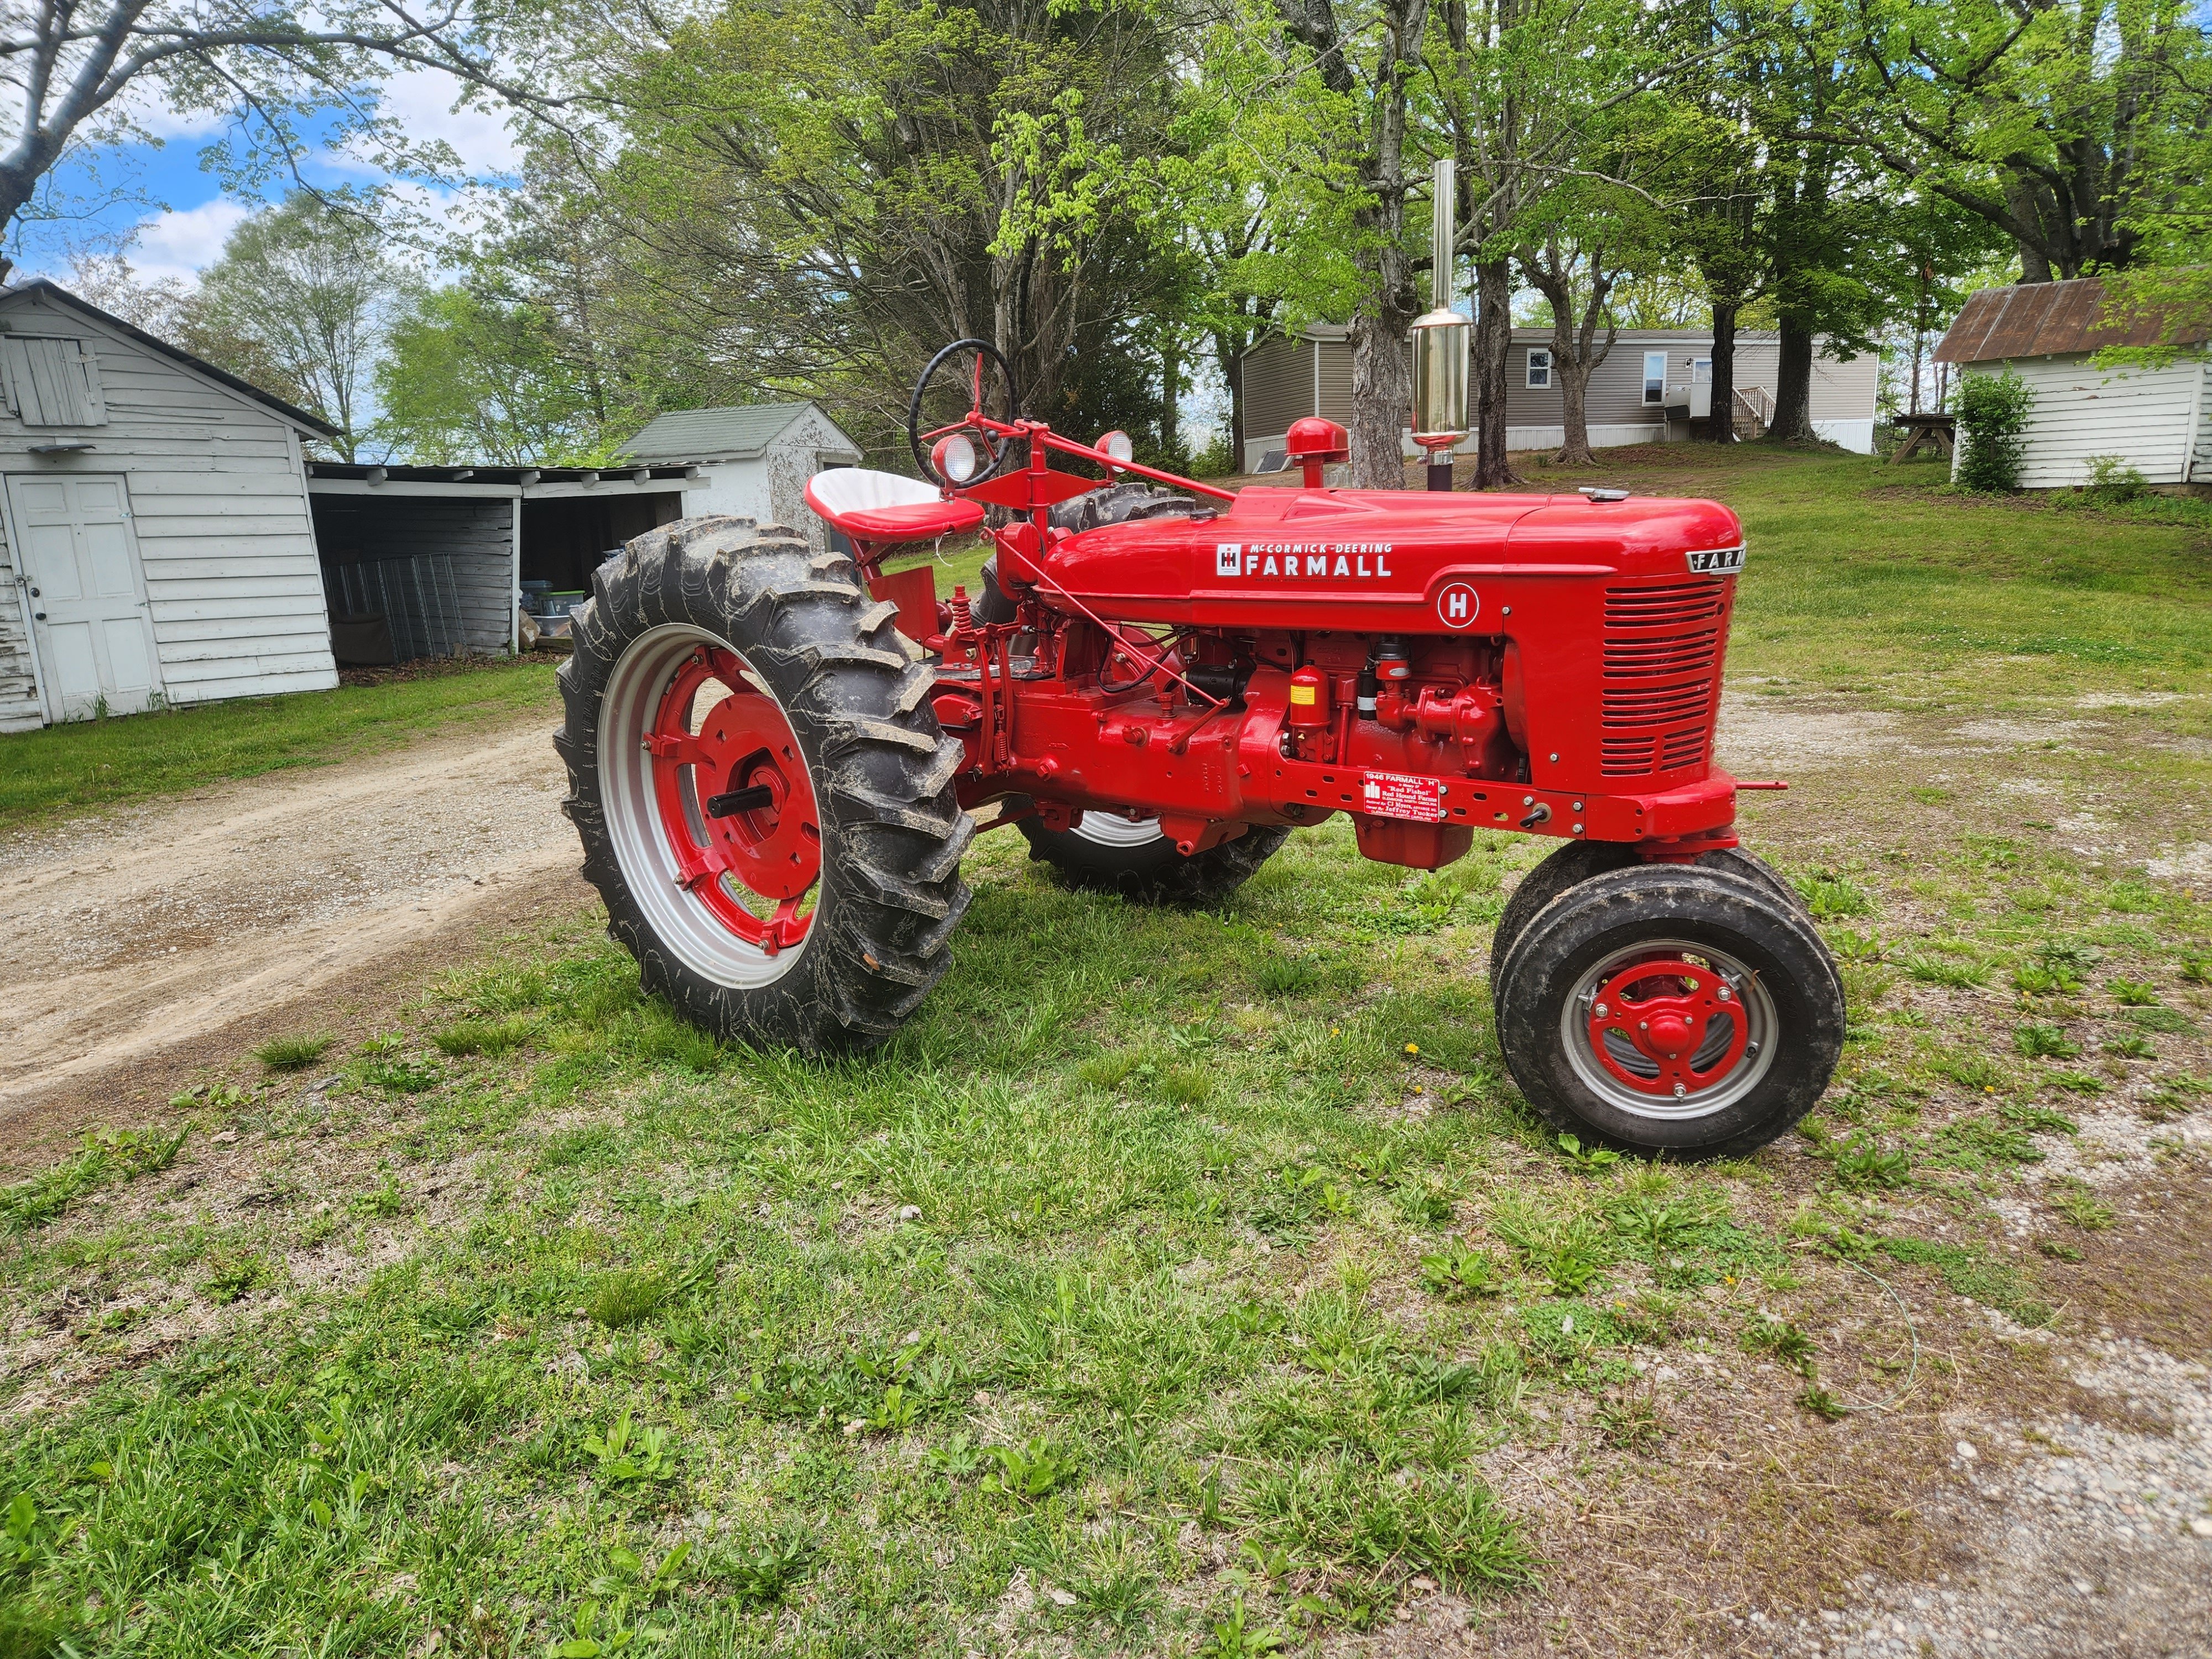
(1662, 644)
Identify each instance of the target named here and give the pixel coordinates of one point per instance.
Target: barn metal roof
(740, 434)
(2052, 320)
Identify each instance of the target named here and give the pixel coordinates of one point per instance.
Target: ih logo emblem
(1229, 558)
(1458, 605)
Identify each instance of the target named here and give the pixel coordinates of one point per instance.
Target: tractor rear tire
(1578, 860)
(1111, 855)
(829, 780)
(1672, 1011)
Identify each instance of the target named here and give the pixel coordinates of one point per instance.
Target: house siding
(19, 709)
(217, 497)
(2200, 464)
(1278, 386)
(1843, 393)
(2142, 415)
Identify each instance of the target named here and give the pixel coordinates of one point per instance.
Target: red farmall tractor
(774, 753)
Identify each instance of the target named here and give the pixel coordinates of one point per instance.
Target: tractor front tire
(761, 785)
(1113, 855)
(1578, 860)
(1670, 1010)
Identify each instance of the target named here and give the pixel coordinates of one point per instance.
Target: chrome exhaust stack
(1440, 339)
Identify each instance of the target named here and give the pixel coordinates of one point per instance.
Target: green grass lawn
(1175, 1283)
(90, 763)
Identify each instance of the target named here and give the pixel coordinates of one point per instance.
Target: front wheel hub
(1670, 1029)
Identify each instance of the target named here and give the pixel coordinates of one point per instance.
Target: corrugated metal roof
(701, 435)
(2051, 319)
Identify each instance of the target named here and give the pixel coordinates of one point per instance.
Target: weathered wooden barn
(1650, 386)
(2156, 419)
(166, 538)
(158, 543)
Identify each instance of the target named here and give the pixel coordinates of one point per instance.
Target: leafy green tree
(298, 302)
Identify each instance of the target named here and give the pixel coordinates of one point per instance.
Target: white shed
(754, 461)
(158, 547)
(2158, 421)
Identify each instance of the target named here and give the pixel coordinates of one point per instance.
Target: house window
(1655, 378)
(1540, 367)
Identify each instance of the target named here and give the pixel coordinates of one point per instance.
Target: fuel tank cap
(1601, 492)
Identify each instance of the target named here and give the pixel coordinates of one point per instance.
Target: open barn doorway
(440, 561)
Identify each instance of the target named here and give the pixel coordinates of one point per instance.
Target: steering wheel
(996, 449)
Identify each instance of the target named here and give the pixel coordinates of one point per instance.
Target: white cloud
(181, 243)
(422, 101)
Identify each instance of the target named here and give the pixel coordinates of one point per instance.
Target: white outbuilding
(158, 546)
(753, 461)
(2157, 420)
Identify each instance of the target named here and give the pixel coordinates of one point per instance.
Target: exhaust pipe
(1440, 339)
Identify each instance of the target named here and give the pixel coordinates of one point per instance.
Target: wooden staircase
(1755, 412)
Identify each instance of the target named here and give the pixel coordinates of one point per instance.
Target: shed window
(1655, 377)
(1540, 367)
(52, 382)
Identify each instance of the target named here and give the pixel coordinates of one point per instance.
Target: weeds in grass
(761, 1573)
(1107, 1071)
(1285, 975)
(1960, 973)
(1632, 1422)
(2038, 1119)
(292, 1053)
(1831, 896)
(2196, 970)
(2078, 1200)
(2126, 1045)
(398, 1075)
(1785, 1340)
(106, 1157)
(1460, 1271)
(1186, 1085)
(1849, 945)
(485, 1036)
(624, 1299)
(628, 1455)
(382, 1202)
(2133, 993)
(1862, 1164)
(1038, 1467)
(2075, 1083)
(2057, 1249)
(1568, 1251)
(1342, 1507)
(1970, 1071)
(1237, 1637)
(2045, 1042)
(1821, 1403)
(1589, 1159)
(1977, 1143)
(1423, 1206)
(2168, 1020)
(2045, 979)
(235, 1276)
(1974, 1275)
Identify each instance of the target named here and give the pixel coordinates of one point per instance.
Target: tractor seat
(883, 507)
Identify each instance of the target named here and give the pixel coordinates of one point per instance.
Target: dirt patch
(135, 937)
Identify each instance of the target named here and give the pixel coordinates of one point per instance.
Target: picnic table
(1936, 432)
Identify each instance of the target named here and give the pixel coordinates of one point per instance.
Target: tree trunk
(1793, 383)
(1493, 345)
(1232, 370)
(1720, 412)
(1573, 377)
(1171, 402)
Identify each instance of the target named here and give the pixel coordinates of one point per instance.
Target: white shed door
(88, 595)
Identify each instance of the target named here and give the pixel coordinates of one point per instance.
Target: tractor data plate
(1403, 795)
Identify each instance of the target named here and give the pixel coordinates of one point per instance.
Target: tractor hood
(1381, 560)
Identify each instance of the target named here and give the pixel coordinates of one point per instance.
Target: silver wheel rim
(680, 922)
(1112, 829)
(1754, 1006)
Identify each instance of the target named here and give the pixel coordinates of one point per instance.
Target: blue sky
(180, 214)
